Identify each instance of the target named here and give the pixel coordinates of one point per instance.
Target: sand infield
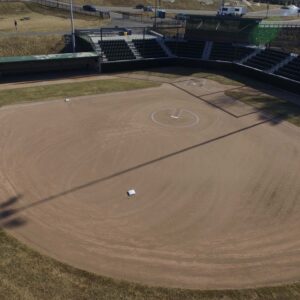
(217, 202)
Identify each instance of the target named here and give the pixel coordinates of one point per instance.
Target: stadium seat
(290, 70)
(149, 48)
(266, 59)
(191, 49)
(116, 50)
(229, 52)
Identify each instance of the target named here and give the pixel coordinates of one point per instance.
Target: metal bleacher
(290, 70)
(266, 59)
(192, 49)
(114, 46)
(229, 52)
(115, 50)
(149, 48)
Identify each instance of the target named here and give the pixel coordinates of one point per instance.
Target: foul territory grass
(26, 274)
(177, 72)
(55, 91)
(277, 107)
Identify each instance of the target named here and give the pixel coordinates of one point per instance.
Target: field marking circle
(196, 82)
(172, 116)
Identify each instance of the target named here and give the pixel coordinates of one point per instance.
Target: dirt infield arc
(217, 203)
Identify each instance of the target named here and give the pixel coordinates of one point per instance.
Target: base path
(217, 197)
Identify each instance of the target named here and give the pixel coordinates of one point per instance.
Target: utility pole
(72, 26)
(222, 5)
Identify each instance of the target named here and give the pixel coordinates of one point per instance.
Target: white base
(131, 193)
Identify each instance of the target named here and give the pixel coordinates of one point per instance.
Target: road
(262, 13)
(118, 20)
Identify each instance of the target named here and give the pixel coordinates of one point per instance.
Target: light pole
(268, 6)
(72, 26)
(155, 13)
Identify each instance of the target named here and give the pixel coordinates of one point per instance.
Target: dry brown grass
(42, 19)
(31, 45)
(25, 274)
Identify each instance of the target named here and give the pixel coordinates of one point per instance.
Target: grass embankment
(270, 104)
(41, 18)
(31, 45)
(27, 275)
(36, 22)
(55, 91)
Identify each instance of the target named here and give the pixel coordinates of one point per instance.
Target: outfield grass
(55, 91)
(27, 275)
(277, 107)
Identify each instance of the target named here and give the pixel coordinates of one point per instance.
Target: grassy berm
(31, 45)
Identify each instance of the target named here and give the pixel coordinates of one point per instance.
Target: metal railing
(279, 25)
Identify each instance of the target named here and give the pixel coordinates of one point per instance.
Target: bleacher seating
(229, 52)
(116, 50)
(149, 48)
(266, 59)
(192, 49)
(291, 70)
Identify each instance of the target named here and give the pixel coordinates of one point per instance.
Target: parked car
(89, 7)
(140, 6)
(181, 17)
(148, 8)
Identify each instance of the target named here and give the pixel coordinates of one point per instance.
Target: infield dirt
(217, 184)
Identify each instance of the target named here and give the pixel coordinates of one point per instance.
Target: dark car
(181, 17)
(89, 7)
(148, 8)
(139, 6)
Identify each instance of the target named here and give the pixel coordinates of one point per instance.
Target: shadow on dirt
(8, 218)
